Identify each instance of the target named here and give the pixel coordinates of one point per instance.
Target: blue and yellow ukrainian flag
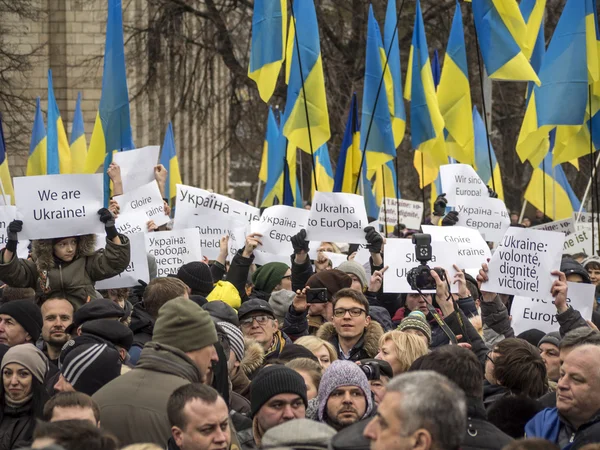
(323, 171)
(427, 123)
(112, 129)
(306, 89)
(376, 120)
(349, 160)
(168, 158)
(531, 9)
(5, 180)
(291, 182)
(454, 95)
(436, 69)
(275, 155)
(482, 157)
(78, 143)
(267, 49)
(561, 99)
(393, 75)
(558, 191)
(59, 153)
(366, 190)
(37, 161)
(386, 183)
(503, 40)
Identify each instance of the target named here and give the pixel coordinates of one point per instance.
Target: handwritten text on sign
(54, 206)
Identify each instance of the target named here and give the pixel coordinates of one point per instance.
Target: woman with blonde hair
(311, 371)
(322, 349)
(400, 350)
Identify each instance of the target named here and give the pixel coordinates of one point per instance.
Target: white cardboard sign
(540, 313)
(137, 166)
(580, 241)
(400, 257)
(277, 225)
(522, 264)
(461, 180)
(566, 226)
(173, 249)
(4, 197)
(336, 259)
(337, 217)
(131, 223)
(53, 206)
(145, 200)
(262, 258)
(7, 215)
(136, 270)
(410, 212)
(487, 215)
(472, 248)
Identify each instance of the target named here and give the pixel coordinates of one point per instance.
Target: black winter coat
(481, 434)
(16, 427)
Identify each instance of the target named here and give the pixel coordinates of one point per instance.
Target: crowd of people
(232, 355)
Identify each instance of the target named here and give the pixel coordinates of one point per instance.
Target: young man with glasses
(352, 332)
(257, 321)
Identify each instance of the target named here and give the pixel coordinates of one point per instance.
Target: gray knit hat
(343, 373)
(235, 338)
(299, 433)
(354, 268)
(280, 301)
(551, 338)
(30, 357)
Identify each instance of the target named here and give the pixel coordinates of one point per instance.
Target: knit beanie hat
(343, 373)
(30, 357)
(551, 338)
(226, 292)
(416, 321)
(275, 380)
(533, 336)
(332, 280)
(27, 314)
(280, 301)
(89, 366)
(266, 277)
(197, 276)
(235, 338)
(293, 351)
(222, 312)
(183, 324)
(354, 268)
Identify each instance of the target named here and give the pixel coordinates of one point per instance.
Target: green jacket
(74, 280)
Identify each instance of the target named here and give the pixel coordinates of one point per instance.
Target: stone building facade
(70, 35)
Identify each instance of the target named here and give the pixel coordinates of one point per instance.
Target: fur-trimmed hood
(373, 332)
(42, 251)
(254, 356)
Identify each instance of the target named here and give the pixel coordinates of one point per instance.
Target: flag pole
(523, 211)
(384, 208)
(397, 194)
(257, 193)
(381, 80)
(297, 45)
(544, 184)
(592, 168)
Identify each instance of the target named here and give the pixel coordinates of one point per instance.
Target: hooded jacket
(366, 347)
(72, 280)
(133, 406)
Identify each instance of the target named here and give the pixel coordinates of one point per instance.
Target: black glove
(299, 242)
(493, 194)
(450, 219)
(138, 291)
(108, 220)
(374, 240)
(16, 226)
(439, 207)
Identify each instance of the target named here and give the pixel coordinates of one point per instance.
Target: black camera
(419, 278)
(371, 370)
(316, 295)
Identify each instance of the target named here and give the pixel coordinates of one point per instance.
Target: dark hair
(10, 293)
(355, 295)
(182, 395)
(160, 290)
(39, 399)
(457, 364)
(594, 265)
(511, 414)
(519, 367)
(579, 336)
(531, 444)
(76, 434)
(70, 400)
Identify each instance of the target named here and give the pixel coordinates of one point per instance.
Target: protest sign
(173, 249)
(410, 212)
(461, 180)
(53, 206)
(487, 215)
(192, 201)
(566, 226)
(3, 198)
(540, 313)
(522, 264)
(338, 217)
(262, 258)
(579, 242)
(277, 225)
(131, 223)
(336, 258)
(137, 166)
(212, 228)
(145, 200)
(136, 270)
(472, 248)
(7, 215)
(400, 257)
